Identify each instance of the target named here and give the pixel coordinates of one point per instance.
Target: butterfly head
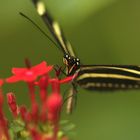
(72, 64)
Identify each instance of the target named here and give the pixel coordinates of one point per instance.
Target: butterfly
(90, 77)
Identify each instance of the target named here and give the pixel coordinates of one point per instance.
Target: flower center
(29, 73)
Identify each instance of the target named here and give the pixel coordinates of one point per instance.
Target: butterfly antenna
(26, 17)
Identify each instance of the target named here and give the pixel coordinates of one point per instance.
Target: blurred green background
(101, 32)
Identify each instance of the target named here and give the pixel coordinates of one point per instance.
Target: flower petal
(29, 78)
(44, 70)
(18, 71)
(39, 66)
(67, 79)
(13, 79)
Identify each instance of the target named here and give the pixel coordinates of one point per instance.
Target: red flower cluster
(47, 114)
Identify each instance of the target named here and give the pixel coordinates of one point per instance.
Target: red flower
(54, 104)
(34, 112)
(1, 82)
(29, 74)
(56, 82)
(23, 112)
(12, 104)
(35, 134)
(43, 84)
(3, 122)
(67, 79)
(54, 101)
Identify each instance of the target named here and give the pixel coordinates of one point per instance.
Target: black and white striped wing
(54, 28)
(109, 77)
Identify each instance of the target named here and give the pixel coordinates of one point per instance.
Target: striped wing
(109, 77)
(54, 28)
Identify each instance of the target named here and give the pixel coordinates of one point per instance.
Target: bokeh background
(101, 32)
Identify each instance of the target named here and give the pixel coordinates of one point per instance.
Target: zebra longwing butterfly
(91, 77)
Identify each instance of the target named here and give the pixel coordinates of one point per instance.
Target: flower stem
(32, 91)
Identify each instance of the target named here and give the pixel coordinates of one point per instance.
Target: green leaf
(17, 126)
(17, 130)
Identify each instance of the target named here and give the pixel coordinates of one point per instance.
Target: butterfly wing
(54, 28)
(109, 77)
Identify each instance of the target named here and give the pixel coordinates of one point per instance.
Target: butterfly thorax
(72, 64)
